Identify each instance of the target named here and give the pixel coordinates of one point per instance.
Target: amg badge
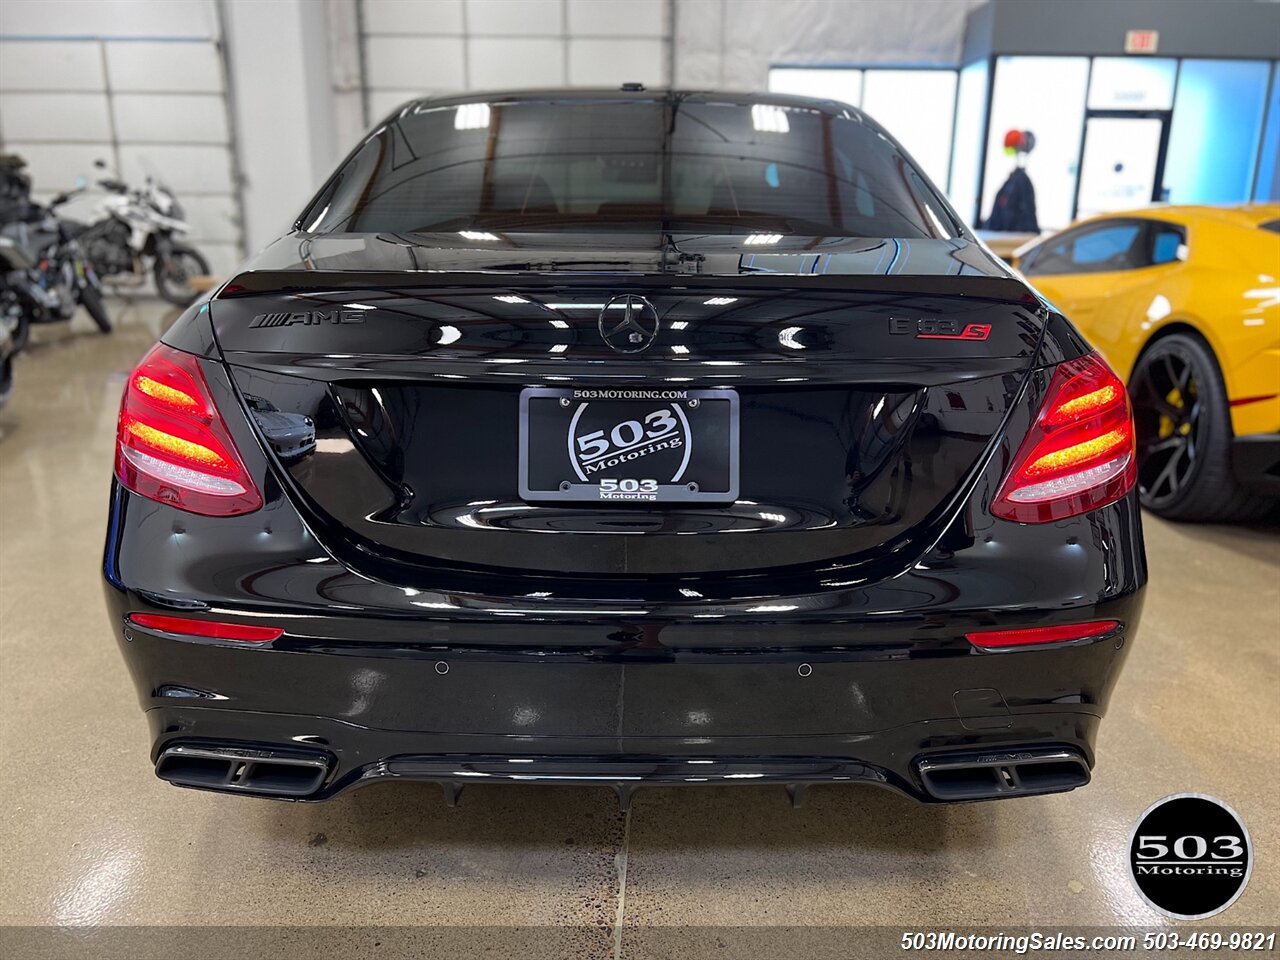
(306, 318)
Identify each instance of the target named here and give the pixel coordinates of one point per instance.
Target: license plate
(617, 444)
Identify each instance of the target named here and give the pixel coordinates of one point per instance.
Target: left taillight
(1079, 455)
(214, 629)
(172, 444)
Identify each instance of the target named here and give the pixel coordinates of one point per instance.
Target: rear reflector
(988, 639)
(216, 629)
(171, 443)
(1079, 455)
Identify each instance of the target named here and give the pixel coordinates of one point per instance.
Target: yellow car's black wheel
(1183, 424)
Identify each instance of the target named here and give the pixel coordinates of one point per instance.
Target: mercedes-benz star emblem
(628, 323)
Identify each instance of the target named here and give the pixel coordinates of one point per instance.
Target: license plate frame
(702, 467)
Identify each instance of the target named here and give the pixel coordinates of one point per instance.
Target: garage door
(146, 106)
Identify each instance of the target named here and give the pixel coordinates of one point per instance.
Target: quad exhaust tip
(243, 769)
(947, 777)
(987, 776)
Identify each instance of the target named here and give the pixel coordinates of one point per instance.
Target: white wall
(279, 54)
(731, 44)
(138, 84)
(414, 48)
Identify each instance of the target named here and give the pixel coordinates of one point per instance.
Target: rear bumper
(871, 712)
(626, 682)
(1255, 461)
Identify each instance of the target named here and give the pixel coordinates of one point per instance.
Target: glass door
(1121, 161)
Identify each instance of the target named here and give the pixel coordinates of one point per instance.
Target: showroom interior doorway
(1122, 159)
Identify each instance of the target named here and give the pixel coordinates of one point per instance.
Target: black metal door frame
(1166, 121)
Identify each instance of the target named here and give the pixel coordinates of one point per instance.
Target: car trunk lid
(396, 406)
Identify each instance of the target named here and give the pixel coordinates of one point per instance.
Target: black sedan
(625, 437)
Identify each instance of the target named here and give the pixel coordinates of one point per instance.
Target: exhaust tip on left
(243, 770)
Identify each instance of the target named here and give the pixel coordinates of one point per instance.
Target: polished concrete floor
(89, 837)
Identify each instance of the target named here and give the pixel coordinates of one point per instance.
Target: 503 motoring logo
(1190, 856)
(660, 437)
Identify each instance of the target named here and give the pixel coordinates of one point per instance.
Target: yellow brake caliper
(1174, 398)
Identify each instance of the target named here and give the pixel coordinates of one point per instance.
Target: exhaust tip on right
(1015, 773)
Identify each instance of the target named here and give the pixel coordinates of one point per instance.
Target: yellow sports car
(1184, 303)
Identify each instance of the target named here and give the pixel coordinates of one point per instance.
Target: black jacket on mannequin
(1014, 209)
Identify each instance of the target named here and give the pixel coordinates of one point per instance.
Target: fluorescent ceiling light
(477, 235)
(720, 301)
(679, 324)
(471, 116)
(511, 298)
(756, 239)
(787, 337)
(769, 119)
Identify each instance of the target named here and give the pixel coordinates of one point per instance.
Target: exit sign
(1141, 41)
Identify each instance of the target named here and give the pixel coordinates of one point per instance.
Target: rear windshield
(584, 165)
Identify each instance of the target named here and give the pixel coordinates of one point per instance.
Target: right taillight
(171, 443)
(1079, 455)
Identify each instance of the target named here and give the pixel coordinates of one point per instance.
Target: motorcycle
(137, 227)
(15, 194)
(7, 352)
(44, 274)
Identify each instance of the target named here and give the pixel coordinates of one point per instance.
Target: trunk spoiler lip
(252, 283)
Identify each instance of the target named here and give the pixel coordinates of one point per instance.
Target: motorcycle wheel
(173, 275)
(22, 334)
(11, 303)
(6, 379)
(91, 300)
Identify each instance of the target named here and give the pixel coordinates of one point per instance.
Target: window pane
(1131, 83)
(1046, 96)
(1268, 179)
(1164, 249)
(1217, 124)
(714, 167)
(831, 84)
(917, 107)
(1108, 245)
(966, 155)
(1095, 249)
